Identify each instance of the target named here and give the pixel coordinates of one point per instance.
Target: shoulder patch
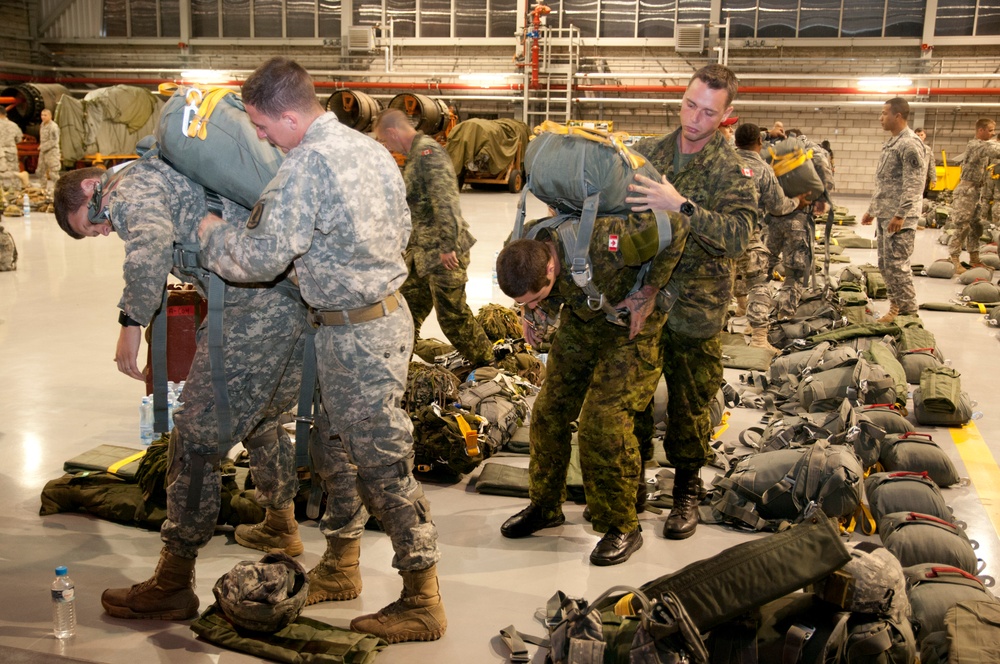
(426, 152)
(612, 243)
(255, 215)
(747, 171)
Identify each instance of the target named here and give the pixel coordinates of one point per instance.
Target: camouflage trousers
(365, 458)
(965, 219)
(989, 202)
(444, 291)
(788, 240)
(49, 165)
(596, 373)
(263, 341)
(751, 280)
(894, 253)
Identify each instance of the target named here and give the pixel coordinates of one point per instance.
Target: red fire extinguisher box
(185, 311)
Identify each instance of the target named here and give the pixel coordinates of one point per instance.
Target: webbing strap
(307, 393)
(198, 477)
(873, 644)
(795, 642)
(515, 641)
(118, 465)
(159, 362)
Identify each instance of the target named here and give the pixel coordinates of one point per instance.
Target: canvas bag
(860, 381)
(904, 491)
(933, 589)
(918, 452)
(916, 538)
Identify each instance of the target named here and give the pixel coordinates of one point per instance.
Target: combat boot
(741, 305)
(337, 576)
(279, 531)
(683, 517)
(889, 315)
(959, 268)
(758, 339)
(418, 614)
(167, 595)
(974, 259)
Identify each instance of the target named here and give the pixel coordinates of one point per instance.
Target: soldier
(10, 169)
(709, 185)
(49, 156)
(598, 370)
(728, 129)
(991, 192)
(897, 204)
(790, 238)
(776, 132)
(965, 214)
(337, 212)
(931, 180)
(753, 292)
(153, 208)
(437, 254)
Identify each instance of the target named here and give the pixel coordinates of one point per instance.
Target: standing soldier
(753, 291)
(896, 203)
(931, 180)
(10, 136)
(336, 211)
(49, 156)
(706, 181)
(965, 214)
(437, 254)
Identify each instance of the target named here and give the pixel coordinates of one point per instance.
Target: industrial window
(236, 18)
(988, 20)
(777, 18)
(656, 18)
(115, 19)
(582, 14)
(618, 18)
(300, 18)
(503, 18)
(170, 18)
(862, 18)
(204, 18)
(693, 11)
(435, 18)
(267, 18)
(367, 12)
(955, 18)
(329, 18)
(742, 15)
(819, 18)
(470, 19)
(905, 18)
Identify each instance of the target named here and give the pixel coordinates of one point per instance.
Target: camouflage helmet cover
(264, 596)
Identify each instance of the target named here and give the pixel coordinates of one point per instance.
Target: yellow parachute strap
(623, 607)
(470, 434)
(118, 465)
(787, 163)
(982, 307)
(862, 517)
(723, 425)
(612, 139)
(199, 124)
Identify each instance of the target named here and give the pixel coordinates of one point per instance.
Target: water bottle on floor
(26, 202)
(146, 421)
(63, 605)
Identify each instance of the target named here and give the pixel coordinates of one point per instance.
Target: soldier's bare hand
(819, 207)
(449, 260)
(640, 305)
(209, 222)
(127, 351)
(529, 332)
(648, 194)
(895, 224)
(803, 200)
(867, 219)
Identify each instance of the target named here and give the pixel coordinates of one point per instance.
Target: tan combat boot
(418, 614)
(337, 576)
(741, 305)
(279, 531)
(959, 268)
(974, 259)
(168, 595)
(758, 339)
(890, 315)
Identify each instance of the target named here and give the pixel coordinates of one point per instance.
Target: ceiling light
(205, 76)
(884, 84)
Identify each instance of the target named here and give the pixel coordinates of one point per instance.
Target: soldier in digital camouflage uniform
(337, 212)
(753, 290)
(437, 254)
(49, 154)
(10, 170)
(990, 197)
(897, 204)
(965, 214)
(600, 371)
(151, 207)
(790, 238)
(705, 181)
(931, 180)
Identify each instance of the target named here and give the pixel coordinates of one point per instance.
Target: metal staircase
(558, 60)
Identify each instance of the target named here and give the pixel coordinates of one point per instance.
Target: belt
(359, 315)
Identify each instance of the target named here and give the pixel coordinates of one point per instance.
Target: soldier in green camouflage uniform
(152, 207)
(597, 370)
(704, 179)
(752, 278)
(437, 254)
(965, 214)
(336, 211)
(897, 204)
(10, 136)
(49, 155)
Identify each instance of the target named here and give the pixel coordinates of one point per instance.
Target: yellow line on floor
(981, 467)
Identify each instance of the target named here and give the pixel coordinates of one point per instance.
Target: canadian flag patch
(747, 171)
(426, 152)
(612, 243)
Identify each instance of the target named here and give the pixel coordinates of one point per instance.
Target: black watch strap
(125, 321)
(687, 207)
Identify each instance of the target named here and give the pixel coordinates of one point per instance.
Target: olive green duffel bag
(933, 589)
(904, 491)
(916, 538)
(918, 452)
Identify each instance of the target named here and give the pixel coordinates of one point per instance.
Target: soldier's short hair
(899, 106)
(69, 196)
(718, 77)
(391, 118)
(984, 123)
(280, 85)
(747, 135)
(522, 267)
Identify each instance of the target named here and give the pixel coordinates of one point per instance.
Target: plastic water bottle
(26, 202)
(171, 404)
(63, 605)
(146, 421)
(496, 254)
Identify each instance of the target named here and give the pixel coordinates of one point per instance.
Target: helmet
(264, 596)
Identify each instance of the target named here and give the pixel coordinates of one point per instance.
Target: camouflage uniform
(595, 372)
(10, 136)
(153, 207)
(790, 238)
(49, 155)
(337, 211)
(965, 215)
(899, 182)
(991, 194)
(725, 202)
(752, 277)
(438, 228)
(931, 167)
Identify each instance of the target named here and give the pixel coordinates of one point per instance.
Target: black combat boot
(616, 547)
(530, 520)
(683, 517)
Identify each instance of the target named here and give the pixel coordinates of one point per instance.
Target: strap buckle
(581, 272)
(193, 98)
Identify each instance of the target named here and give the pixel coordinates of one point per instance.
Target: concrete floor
(60, 395)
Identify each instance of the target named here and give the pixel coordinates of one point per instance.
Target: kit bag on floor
(763, 491)
(941, 269)
(853, 274)
(904, 491)
(802, 628)
(787, 366)
(854, 303)
(956, 418)
(874, 282)
(973, 630)
(939, 399)
(993, 318)
(860, 381)
(916, 538)
(882, 354)
(933, 589)
(981, 292)
(975, 274)
(886, 417)
(8, 251)
(446, 440)
(918, 452)
(497, 397)
(914, 362)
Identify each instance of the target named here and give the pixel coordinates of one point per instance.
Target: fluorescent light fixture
(884, 84)
(484, 79)
(205, 76)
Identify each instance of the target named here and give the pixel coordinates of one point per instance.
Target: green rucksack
(446, 441)
(791, 365)
(981, 292)
(857, 380)
(933, 589)
(916, 538)
(854, 303)
(918, 452)
(880, 353)
(886, 417)
(792, 161)
(874, 282)
(941, 269)
(904, 491)
(939, 400)
(498, 398)
(975, 274)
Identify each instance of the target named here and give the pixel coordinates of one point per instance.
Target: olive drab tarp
(488, 146)
(117, 117)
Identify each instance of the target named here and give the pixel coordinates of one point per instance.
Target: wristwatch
(687, 207)
(125, 321)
